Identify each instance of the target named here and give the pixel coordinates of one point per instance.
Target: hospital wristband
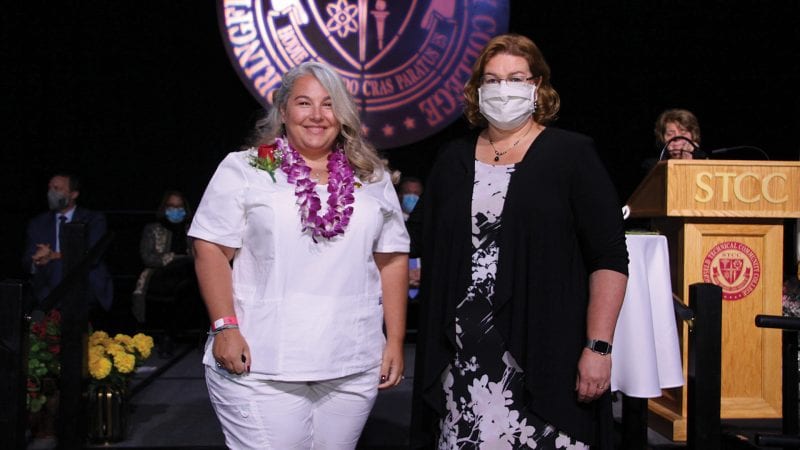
(221, 322)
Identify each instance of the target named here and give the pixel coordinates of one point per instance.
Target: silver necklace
(497, 154)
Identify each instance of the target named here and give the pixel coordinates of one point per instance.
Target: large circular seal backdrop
(404, 61)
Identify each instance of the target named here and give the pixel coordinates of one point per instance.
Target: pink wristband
(219, 323)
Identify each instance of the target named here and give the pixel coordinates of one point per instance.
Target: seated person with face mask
(43, 258)
(166, 293)
(409, 191)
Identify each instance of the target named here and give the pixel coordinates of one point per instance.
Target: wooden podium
(724, 224)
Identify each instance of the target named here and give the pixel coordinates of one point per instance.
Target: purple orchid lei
(341, 182)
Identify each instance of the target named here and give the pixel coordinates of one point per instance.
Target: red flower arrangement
(43, 358)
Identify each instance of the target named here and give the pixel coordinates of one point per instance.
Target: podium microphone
(697, 153)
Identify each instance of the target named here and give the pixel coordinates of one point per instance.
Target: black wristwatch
(601, 347)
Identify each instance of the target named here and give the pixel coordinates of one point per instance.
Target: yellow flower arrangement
(113, 360)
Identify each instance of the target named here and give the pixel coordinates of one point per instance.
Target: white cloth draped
(646, 356)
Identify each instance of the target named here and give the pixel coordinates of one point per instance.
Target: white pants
(260, 414)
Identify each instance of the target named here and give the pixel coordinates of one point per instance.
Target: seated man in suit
(42, 258)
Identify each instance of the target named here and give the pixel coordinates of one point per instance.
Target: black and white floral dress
(483, 386)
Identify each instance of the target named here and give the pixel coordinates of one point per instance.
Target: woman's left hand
(393, 268)
(594, 375)
(392, 366)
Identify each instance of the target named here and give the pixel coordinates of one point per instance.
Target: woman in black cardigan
(524, 275)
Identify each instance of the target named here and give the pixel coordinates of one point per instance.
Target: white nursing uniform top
(309, 311)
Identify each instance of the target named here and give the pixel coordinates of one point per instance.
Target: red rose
(267, 152)
(38, 329)
(54, 349)
(267, 158)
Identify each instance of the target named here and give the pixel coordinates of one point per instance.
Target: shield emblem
(731, 268)
(362, 32)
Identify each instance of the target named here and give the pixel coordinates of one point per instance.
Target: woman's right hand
(231, 352)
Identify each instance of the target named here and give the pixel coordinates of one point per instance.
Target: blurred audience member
(43, 257)
(409, 191)
(166, 292)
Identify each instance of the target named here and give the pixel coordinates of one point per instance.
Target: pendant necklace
(497, 154)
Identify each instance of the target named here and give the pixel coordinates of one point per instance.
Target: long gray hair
(361, 155)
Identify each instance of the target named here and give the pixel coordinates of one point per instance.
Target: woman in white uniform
(301, 256)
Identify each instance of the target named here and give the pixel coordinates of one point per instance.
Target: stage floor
(170, 409)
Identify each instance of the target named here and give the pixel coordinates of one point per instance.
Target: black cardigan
(561, 222)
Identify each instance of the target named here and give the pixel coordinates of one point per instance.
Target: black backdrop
(139, 96)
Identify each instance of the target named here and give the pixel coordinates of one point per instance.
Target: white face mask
(507, 106)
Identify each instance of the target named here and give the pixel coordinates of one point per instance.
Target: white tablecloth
(646, 355)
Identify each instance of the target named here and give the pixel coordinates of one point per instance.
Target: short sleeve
(220, 217)
(393, 237)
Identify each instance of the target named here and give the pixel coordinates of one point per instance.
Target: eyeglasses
(518, 80)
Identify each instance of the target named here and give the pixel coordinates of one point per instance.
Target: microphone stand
(695, 148)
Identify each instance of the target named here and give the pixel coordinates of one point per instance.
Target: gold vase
(107, 412)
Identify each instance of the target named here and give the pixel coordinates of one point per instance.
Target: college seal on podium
(404, 61)
(734, 267)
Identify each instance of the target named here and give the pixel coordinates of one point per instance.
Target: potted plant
(44, 340)
(112, 363)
